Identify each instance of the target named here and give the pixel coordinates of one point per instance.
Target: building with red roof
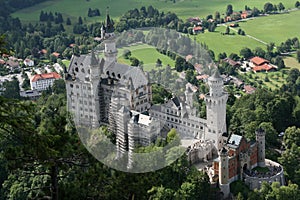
(198, 29)
(56, 54)
(259, 64)
(259, 61)
(249, 89)
(43, 81)
(246, 13)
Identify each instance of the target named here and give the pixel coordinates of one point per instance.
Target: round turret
(224, 172)
(260, 139)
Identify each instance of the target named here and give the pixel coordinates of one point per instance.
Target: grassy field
(291, 62)
(183, 8)
(273, 28)
(147, 54)
(227, 43)
(276, 79)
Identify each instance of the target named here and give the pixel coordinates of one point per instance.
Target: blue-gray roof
(234, 140)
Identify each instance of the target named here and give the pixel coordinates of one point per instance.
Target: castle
(101, 91)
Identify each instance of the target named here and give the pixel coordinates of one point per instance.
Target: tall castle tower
(216, 109)
(224, 173)
(108, 37)
(260, 138)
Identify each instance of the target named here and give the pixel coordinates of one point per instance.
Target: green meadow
(227, 43)
(273, 28)
(183, 8)
(291, 62)
(147, 54)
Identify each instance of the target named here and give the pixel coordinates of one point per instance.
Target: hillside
(183, 8)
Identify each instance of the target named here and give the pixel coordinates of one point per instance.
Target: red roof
(52, 75)
(258, 60)
(197, 28)
(249, 89)
(202, 77)
(56, 54)
(244, 15)
(188, 57)
(231, 62)
(44, 51)
(264, 67)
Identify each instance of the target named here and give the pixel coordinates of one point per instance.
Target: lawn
(183, 8)
(275, 79)
(273, 28)
(147, 54)
(66, 62)
(227, 43)
(291, 62)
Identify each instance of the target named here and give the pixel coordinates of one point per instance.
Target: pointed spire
(109, 24)
(102, 31)
(216, 75)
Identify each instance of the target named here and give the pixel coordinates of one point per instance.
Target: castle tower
(95, 71)
(108, 36)
(224, 172)
(260, 139)
(216, 110)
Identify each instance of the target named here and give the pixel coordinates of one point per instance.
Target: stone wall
(255, 181)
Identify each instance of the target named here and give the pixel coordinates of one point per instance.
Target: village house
(237, 82)
(198, 68)
(198, 29)
(228, 19)
(202, 77)
(2, 62)
(249, 89)
(232, 62)
(259, 64)
(56, 54)
(28, 62)
(30, 94)
(195, 20)
(246, 13)
(42, 82)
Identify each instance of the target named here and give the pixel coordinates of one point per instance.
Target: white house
(43, 81)
(28, 62)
